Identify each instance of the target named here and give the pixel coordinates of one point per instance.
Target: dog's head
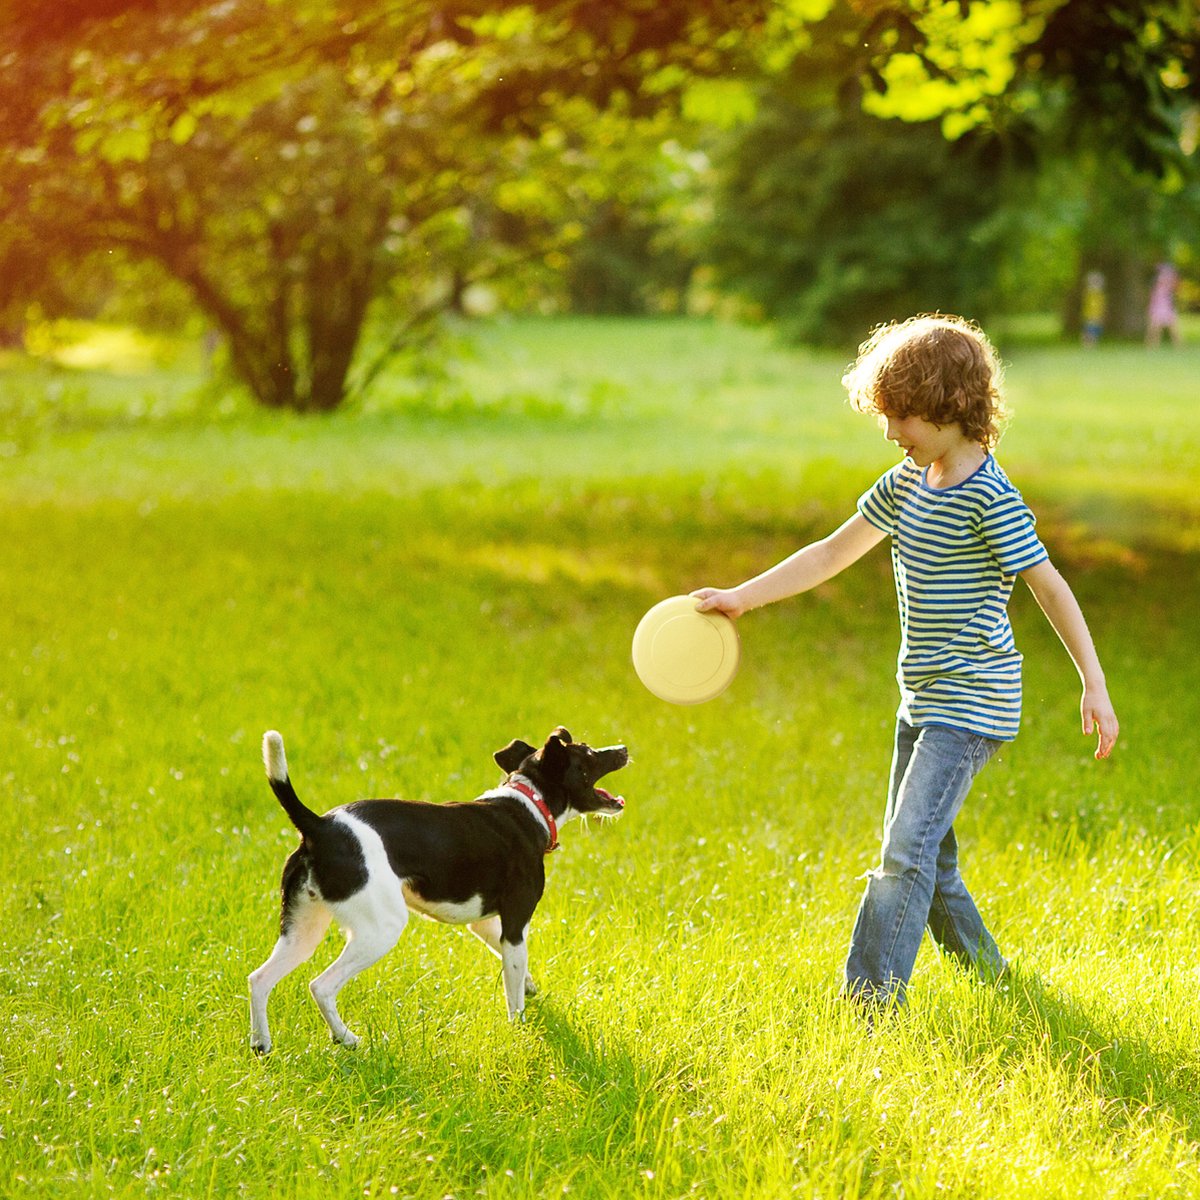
(566, 773)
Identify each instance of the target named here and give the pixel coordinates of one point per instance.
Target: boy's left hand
(1100, 719)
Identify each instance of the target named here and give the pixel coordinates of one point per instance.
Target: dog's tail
(304, 819)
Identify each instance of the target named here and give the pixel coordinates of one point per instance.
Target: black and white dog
(478, 863)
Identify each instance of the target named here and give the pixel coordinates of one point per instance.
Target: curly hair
(940, 368)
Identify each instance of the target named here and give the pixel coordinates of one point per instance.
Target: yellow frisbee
(684, 656)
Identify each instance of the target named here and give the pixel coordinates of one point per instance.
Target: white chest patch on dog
(449, 911)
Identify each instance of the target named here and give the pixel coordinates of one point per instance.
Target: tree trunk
(1126, 291)
(339, 293)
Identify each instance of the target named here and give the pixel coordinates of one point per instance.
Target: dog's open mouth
(609, 803)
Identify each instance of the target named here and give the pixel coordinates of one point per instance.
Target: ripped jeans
(917, 882)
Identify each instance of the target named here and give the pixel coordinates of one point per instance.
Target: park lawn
(403, 588)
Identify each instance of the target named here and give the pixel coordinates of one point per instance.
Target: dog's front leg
(488, 932)
(515, 960)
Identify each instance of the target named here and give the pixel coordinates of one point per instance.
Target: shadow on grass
(614, 1088)
(1119, 1067)
(606, 1106)
(629, 1107)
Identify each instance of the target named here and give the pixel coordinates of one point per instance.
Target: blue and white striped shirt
(956, 553)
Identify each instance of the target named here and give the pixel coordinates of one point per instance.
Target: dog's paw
(531, 988)
(347, 1039)
(260, 1046)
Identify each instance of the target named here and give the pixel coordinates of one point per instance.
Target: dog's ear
(554, 755)
(513, 755)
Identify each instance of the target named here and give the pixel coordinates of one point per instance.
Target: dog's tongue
(618, 800)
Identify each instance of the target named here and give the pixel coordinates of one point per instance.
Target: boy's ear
(513, 755)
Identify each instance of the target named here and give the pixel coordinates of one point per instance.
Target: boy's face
(923, 441)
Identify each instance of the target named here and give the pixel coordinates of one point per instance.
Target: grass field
(404, 588)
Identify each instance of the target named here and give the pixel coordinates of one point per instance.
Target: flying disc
(684, 656)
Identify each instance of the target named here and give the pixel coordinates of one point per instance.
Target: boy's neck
(959, 463)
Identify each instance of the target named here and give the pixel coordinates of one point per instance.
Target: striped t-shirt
(956, 553)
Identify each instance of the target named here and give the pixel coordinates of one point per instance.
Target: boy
(960, 535)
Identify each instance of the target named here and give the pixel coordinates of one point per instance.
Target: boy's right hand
(725, 600)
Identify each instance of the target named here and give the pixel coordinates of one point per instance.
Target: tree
(291, 162)
(894, 159)
(832, 222)
(1099, 97)
(1121, 73)
(288, 164)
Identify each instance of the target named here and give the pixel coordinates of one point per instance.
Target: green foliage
(639, 244)
(1119, 74)
(290, 170)
(401, 594)
(1068, 149)
(1084, 210)
(280, 196)
(1129, 72)
(832, 221)
(951, 63)
(296, 166)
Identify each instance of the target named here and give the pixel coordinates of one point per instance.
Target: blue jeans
(917, 882)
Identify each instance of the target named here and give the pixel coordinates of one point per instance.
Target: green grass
(404, 588)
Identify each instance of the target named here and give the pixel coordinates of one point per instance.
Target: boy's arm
(805, 569)
(1062, 610)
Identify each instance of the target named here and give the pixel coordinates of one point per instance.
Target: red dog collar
(527, 790)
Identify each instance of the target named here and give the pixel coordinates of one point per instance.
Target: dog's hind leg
(304, 925)
(373, 921)
(488, 932)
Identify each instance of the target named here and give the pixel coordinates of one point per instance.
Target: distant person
(960, 535)
(209, 345)
(1162, 315)
(1095, 307)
